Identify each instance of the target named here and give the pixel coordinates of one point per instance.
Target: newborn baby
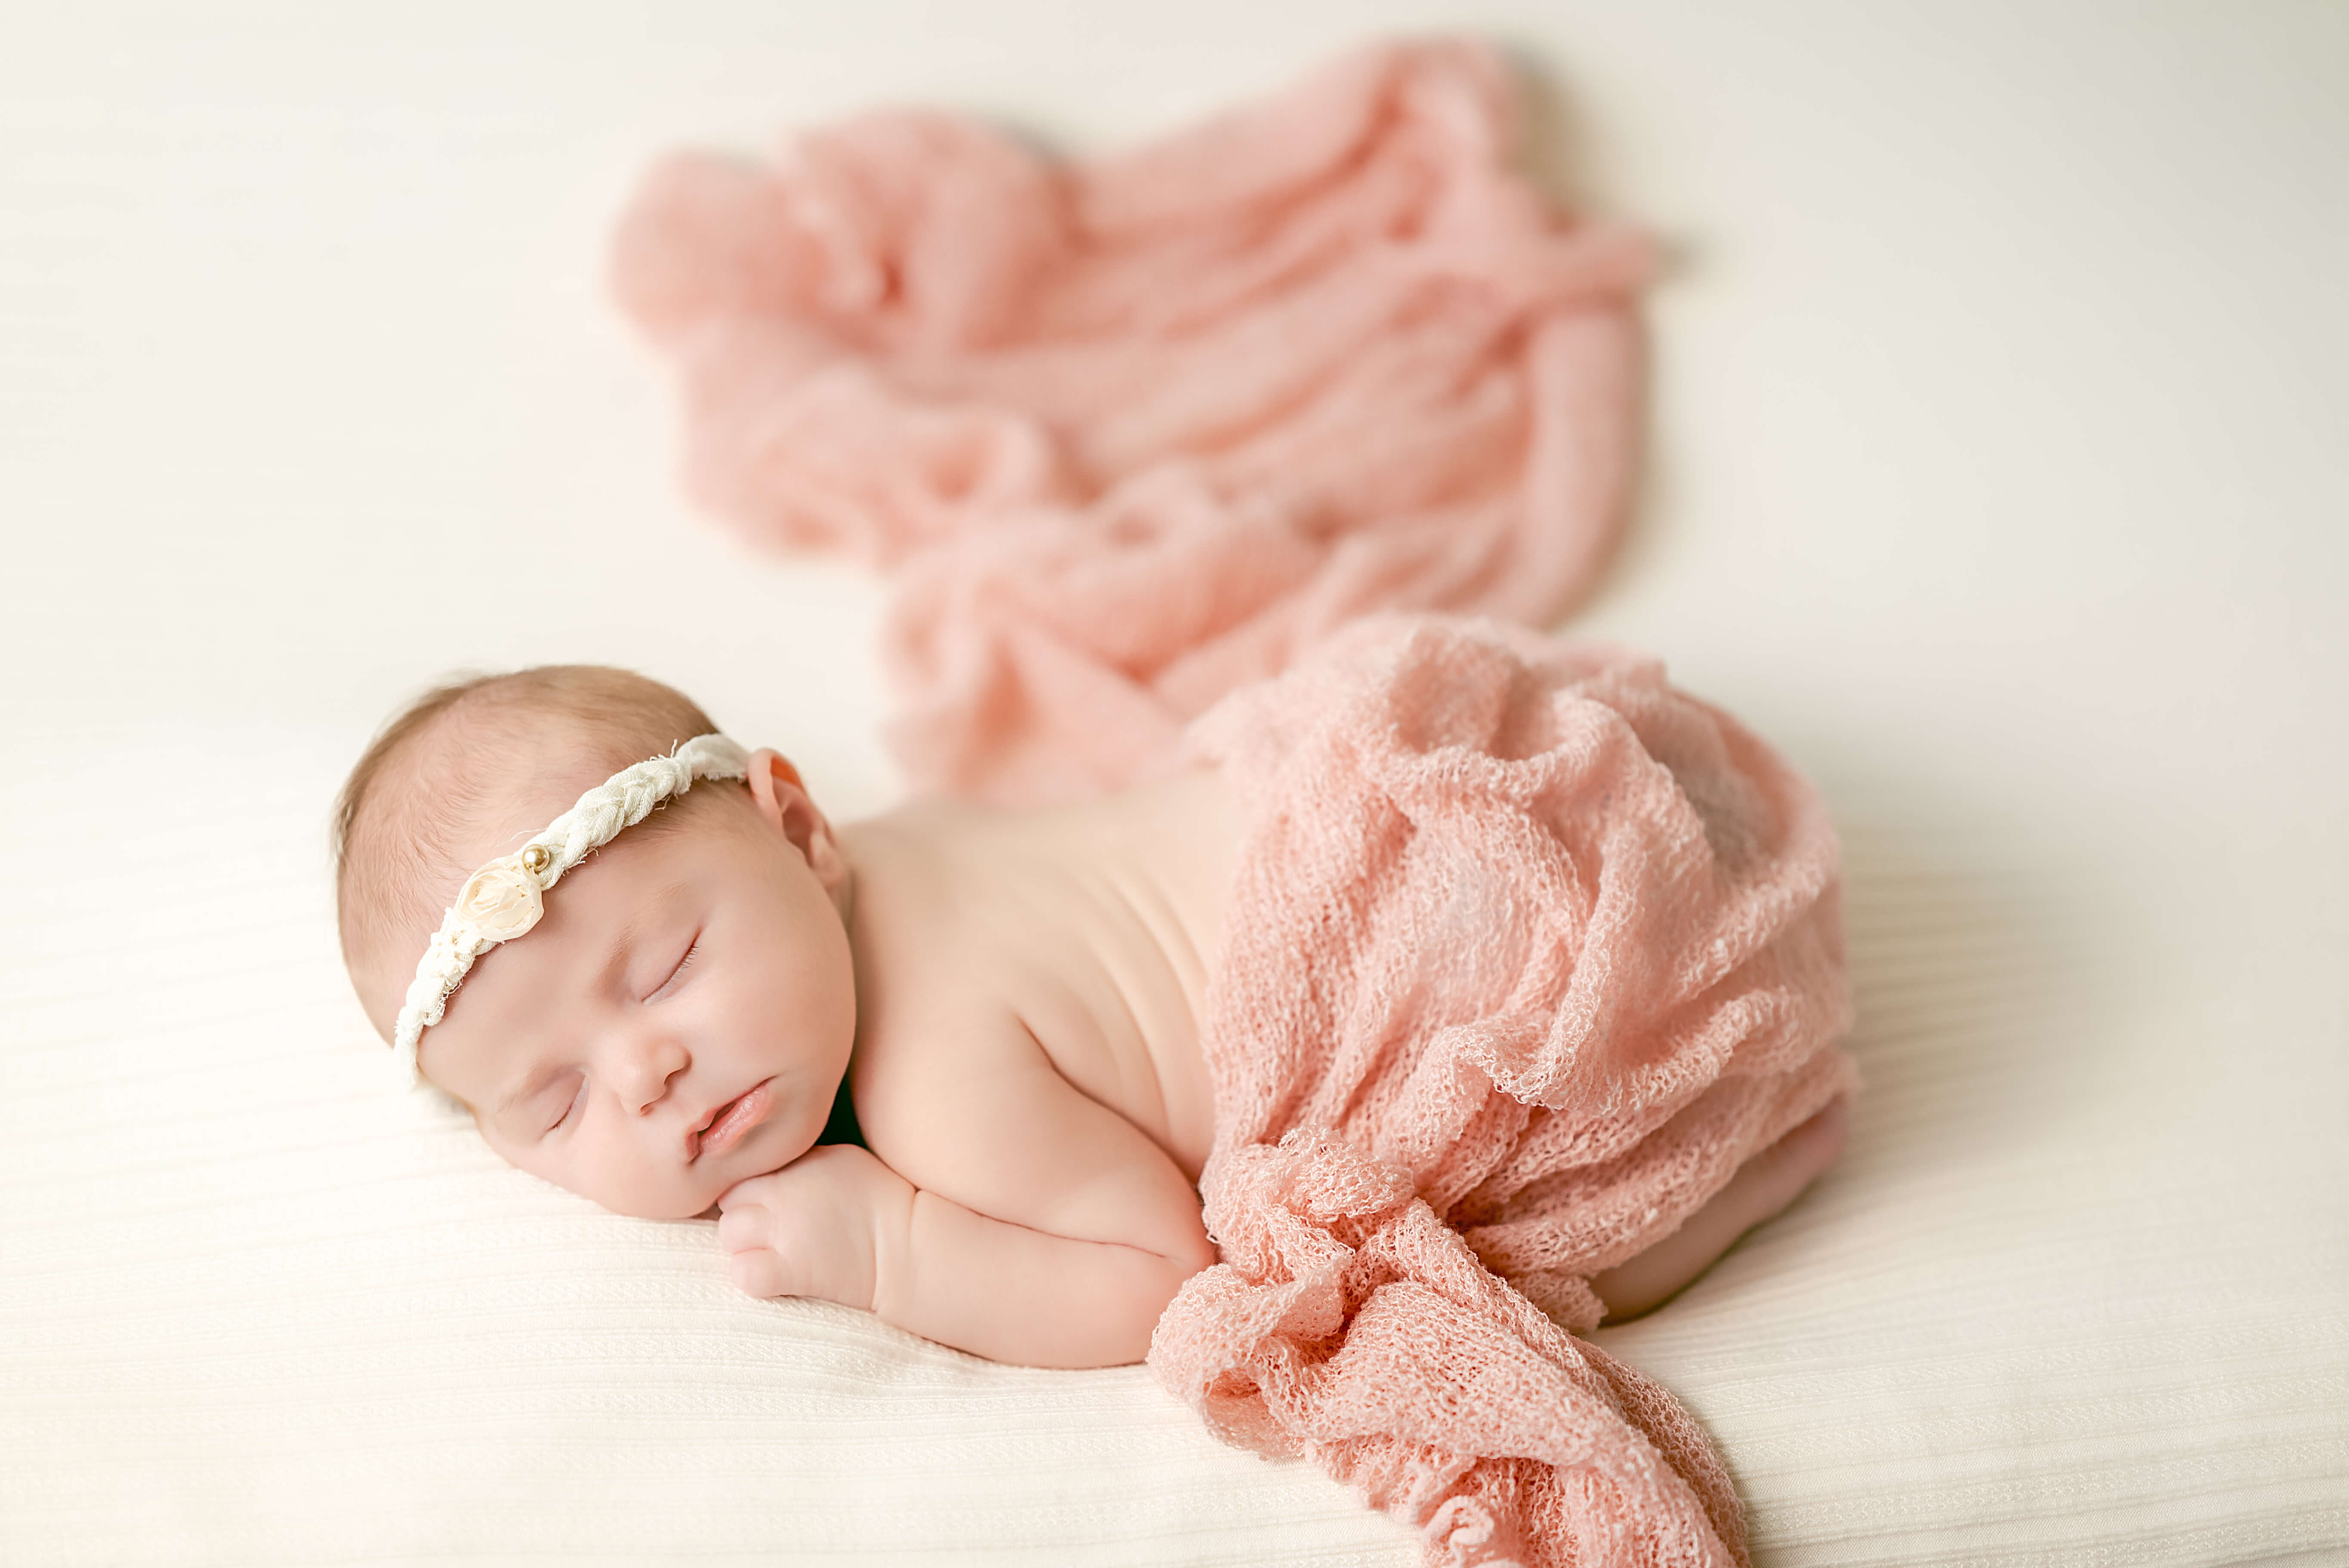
(1010, 1001)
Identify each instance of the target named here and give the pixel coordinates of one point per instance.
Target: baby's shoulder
(929, 1086)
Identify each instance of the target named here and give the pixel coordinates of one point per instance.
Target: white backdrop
(2001, 377)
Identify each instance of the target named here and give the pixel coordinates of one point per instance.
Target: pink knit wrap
(1130, 433)
(1530, 952)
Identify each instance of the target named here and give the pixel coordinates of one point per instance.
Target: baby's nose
(647, 1071)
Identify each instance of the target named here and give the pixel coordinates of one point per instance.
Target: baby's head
(679, 1016)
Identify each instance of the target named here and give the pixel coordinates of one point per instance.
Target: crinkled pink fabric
(1129, 433)
(1528, 952)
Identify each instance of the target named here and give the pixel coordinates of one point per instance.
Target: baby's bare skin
(1016, 999)
(1080, 939)
(1028, 988)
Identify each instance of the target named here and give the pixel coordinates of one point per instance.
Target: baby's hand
(808, 1229)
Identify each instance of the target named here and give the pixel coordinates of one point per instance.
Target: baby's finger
(742, 1228)
(759, 1272)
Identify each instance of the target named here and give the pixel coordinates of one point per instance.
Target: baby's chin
(693, 1201)
(695, 1205)
(700, 1202)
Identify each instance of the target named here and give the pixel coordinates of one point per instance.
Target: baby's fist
(808, 1229)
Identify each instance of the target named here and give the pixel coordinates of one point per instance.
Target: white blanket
(1996, 481)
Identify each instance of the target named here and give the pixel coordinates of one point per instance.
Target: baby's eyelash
(682, 965)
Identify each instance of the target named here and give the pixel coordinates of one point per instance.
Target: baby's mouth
(729, 1123)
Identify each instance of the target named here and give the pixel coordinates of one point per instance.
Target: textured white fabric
(1998, 480)
(620, 802)
(259, 1311)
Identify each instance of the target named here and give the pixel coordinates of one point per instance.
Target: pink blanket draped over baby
(1530, 950)
(1528, 953)
(1129, 433)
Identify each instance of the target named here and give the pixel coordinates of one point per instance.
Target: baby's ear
(784, 801)
(769, 770)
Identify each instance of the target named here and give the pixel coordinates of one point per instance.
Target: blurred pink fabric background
(1128, 434)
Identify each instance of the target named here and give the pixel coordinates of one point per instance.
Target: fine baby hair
(470, 755)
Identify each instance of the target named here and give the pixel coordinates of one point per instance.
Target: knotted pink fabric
(1130, 433)
(1528, 952)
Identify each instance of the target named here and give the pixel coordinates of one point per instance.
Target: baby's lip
(730, 1120)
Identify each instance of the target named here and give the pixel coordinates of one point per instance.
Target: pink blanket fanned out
(1130, 433)
(1530, 952)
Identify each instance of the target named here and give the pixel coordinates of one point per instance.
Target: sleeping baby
(946, 1064)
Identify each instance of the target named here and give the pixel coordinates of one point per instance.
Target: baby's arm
(1067, 1233)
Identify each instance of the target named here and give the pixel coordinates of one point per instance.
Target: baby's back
(1075, 941)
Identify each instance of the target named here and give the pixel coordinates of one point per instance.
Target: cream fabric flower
(502, 900)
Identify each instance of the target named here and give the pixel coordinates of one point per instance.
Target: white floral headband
(506, 898)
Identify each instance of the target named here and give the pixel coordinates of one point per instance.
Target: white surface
(1997, 476)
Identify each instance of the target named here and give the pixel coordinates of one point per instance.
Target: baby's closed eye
(564, 1100)
(677, 970)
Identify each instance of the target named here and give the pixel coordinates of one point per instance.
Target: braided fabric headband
(507, 897)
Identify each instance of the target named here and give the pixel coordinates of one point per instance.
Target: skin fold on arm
(1022, 1222)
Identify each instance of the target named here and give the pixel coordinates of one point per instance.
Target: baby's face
(679, 1020)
